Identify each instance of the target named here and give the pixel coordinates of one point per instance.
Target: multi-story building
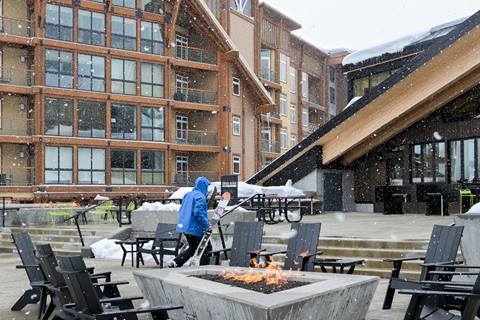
(121, 96)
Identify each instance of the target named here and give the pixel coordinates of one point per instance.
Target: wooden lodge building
(411, 131)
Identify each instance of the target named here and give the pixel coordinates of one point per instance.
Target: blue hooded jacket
(193, 215)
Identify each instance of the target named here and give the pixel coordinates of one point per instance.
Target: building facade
(119, 97)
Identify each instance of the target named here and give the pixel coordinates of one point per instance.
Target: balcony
(16, 165)
(313, 105)
(16, 127)
(187, 179)
(269, 75)
(270, 146)
(312, 127)
(22, 28)
(195, 96)
(17, 176)
(195, 55)
(196, 138)
(17, 77)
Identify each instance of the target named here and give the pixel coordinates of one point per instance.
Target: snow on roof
(353, 101)
(400, 44)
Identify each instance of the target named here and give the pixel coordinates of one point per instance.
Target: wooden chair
(166, 242)
(301, 249)
(247, 238)
(425, 306)
(442, 249)
(88, 306)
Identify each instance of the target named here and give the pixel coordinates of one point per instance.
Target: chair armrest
(101, 275)
(25, 266)
(113, 283)
(305, 256)
(448, 283)
(264, 253)
(139, 311)
(449, 264)
(454, 273)
(144, 239)
(119, 299)
(91, 270)
(440, 293)
(404, 259)
(454, 266)
(219, 251)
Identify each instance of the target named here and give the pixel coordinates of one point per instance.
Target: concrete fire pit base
(327, 296)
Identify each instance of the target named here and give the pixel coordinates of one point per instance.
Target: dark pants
(193, 243)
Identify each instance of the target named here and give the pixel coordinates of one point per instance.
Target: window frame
(150, 42)
(152, 84)
(58, 74)
(92, 118)
(236, 122)
(283, 138)
(92, 78)
(293, 80)
(283, 68)
(293, 113)
(123, 36)
(59, 121)
(463, 163)
(152, 171)
(91, 170)
(123, 5)
(123, 80)
(432, 162)
(293, 140)
(122, 131)
(101, 34)
(236, 160)
(236, 83)
(122, 170)
(283, 112)
(145, 127)
(61, 27)
(58, 169)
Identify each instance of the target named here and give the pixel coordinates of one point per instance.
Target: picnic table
(338, 263)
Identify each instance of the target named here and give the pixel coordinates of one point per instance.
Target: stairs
(371, 250)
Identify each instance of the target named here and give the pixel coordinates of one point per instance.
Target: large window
(153, 124)
(305, 85)
(283, 68)
(464, 160)
(333, 96)
(59, 22)
(91, 119)
(293, 80)
(91, 73)
(283, 105)
(236, 86)
(58, 165)
(236, 164)
(91, 166)
(151, 40)
(293, 140)
(305, 117)
(124, 33)
(152, 80)
(124, 3)
(155, 6)
(153, 168)
(124, 122)
(429, 163)
(124, 167)
(236, 125)
(91, 28)
(293, 113)
(59, 69)
(58, 117)
(395, 171)
(124, 76)
(283, 138)
(242, 6)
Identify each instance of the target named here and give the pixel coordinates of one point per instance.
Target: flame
(272, 274)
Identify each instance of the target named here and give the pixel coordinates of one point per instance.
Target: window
(181, 163)
(361, 86)
(242, 6)
(181, 43)
(155, 6)
(283, 105)
(91, 73)
(58, 165)
(151, 38)
(236, 87)
(91, 28)
(305, 117)
(283, 68)
(293, 80)
(181, 123)
(124, 3)
(153, 168)
(59, 23)
(124, 167)
(236, 164)
(124, 122)
(428, 163)
(153, 124)
(236, 125)
(332, 74)
(333, 98)
(59, 69)
(293, 140)
(265, 68)
(91, 166)
(124, 33)
(283, 138)
(58, 117)
(464, 160)
(293, 113)
(395, 171)
(152, 80)
(304, 85)
(91, 119)
(124, 76)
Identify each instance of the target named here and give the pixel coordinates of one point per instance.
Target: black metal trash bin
(437, 204)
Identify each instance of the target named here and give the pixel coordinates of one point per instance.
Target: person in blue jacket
(193, 222)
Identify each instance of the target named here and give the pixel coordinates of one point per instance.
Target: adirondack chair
(37, 292)
(424, 304)
(166, 242)
(88, 306)
(301, 249)
(247, 238)
(442, 249)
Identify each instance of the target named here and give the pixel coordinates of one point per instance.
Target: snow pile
(475, 209)
(107, 249)
(283, 191)
(101, 198)
(353, 101)
(158, 206)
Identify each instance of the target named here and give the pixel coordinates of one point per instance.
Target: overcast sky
(357, 24)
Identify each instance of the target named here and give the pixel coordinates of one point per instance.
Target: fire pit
(211, 292)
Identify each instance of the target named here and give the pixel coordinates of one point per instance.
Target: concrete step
(55, 245)
(66, 231)
(53, 238)
(10, 248)
(385, 274)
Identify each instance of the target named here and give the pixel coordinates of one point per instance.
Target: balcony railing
(269, 75)
(187, 179)
(196, 96)
(16, 77)
(16, 127)
(314, 105)
(196, 55)
(196, 137)
(16, 176)
(22, 28)
(312, 127)
(270, 146)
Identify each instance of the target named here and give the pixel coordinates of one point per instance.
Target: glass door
(181, 42)
(182, 128)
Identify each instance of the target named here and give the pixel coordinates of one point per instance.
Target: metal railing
(270, 146)
(269, 75)
(17, 77)
(195, 54)
(195, 96)
(22, 28)
(312, 127)
(196, 137)
(187, 179)
(16, 176)
(16, 127)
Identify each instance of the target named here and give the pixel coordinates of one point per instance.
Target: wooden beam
(232, 55)
(173, 22)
